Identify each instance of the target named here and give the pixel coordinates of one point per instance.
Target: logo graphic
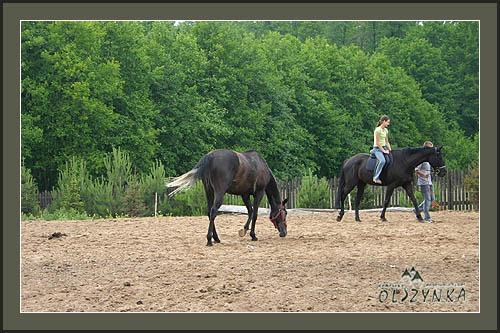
(412, 289)
(413, 275)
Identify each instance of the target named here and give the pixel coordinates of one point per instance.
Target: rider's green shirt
(382, 134)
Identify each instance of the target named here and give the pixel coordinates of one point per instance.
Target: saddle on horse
(371, 164)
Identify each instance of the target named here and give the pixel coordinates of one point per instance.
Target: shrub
(105, 196)
(98, 195)
(28, 217)
(64, 214)
(118, 174)
(29, 193)
(314, 192)
(151, 183)
(134, 199)
(190, 202)
(368, 199)
(472, 185)
(67, 195)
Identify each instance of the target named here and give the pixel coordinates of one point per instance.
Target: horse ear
(285, 201)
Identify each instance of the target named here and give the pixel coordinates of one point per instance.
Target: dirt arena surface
(164, 265)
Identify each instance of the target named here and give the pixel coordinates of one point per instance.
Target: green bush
(29, 193)
(190, 202)
(134, 199)
(105, 196)
(406, 202)
(151, 183)
(118, 175)
(64, 214)
(67, 195)
(29, 217)
(368, 199)
(314, 192)
(237, 200)
(472, 185)
(98, 194)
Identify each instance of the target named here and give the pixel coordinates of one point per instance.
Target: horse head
(437, 162)
(278, 217)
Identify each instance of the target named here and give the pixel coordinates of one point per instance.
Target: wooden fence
(45, 199)
(449, 191)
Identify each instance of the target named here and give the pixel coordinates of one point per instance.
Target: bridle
(281, 213)
(439, 168)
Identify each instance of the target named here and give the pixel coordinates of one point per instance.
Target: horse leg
(256, 201)
(409, 191)
(209, 193)
(388, 195)
(357, 203)
(346, 192)
(246, 201)
(341, 212)
(215, 236)
(213, 214)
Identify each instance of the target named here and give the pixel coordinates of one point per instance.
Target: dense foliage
(306, 95)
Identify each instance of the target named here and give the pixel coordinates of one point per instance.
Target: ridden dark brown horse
(246, 174)
(400, 173)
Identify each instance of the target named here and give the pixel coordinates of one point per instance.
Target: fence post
(156, 204)
(450, 190)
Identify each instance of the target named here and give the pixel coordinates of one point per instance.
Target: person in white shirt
(424, 181)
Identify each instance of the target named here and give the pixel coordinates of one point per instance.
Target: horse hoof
(383, 219)
(339, 219)
(255, 239)
(217, 240)
(358, 220)
(209, 244)
(242, 232)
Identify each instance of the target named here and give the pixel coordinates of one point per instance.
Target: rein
(439, 168)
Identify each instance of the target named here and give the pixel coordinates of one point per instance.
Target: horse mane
(410, 150)
(272, 191)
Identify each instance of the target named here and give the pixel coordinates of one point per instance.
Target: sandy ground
(164, 265)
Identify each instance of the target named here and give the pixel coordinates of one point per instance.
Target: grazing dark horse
(399, 173)
(226, 171)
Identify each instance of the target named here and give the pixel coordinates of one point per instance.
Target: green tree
(133, 201)
(29, 193)
(85, 89)
(314, 192)
(67, 196)
(190, 121)
(444, 59)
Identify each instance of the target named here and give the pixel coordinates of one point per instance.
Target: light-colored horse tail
(183, 182)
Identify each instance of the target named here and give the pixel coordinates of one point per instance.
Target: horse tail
(183, 182)
(341, 187)
(188, 179)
